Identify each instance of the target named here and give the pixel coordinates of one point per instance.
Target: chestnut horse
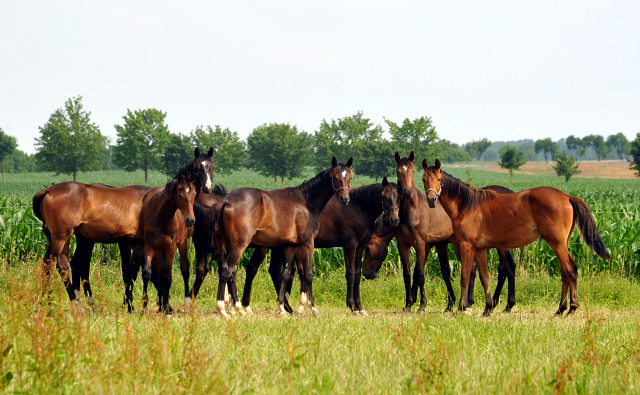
(97, 213)
(287, 217)
(159, 229)
(348, 227)
(485, 219)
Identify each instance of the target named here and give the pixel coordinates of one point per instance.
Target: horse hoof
(300, 309)
(422, 311)
(364, 312)
(487, 313)
(468, 311)
(90, 301)
(356, 312)
(315, 312)
(77, 307)
(248, 310)
(239, 309)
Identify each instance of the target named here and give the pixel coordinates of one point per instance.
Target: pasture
(48, 347)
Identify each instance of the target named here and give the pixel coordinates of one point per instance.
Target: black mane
(310, 188)
(367, 196)
(470, 197)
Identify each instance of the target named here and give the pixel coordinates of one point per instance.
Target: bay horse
(286, 217)
(97, 213)
(348, 227)
(485, 219)
(159, 229)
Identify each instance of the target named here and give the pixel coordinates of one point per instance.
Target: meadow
(48, 346)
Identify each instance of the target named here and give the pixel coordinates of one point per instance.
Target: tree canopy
(547, 147)
(69, 143)
(178, 152)
(477, 148)
(620, 144)
(635, 154)
(598, 144)
(419, 136)
(8, 145)
(228, 149)
(141, 141)
(566, 166)
(511, 159)
(277, 149)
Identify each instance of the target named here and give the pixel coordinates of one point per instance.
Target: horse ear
(385, 182)
(425, 164)
(411, 157)
(397, 156)
(437, 164)
(196, 152)
(210, 153)
(334, 162)
(349, 162)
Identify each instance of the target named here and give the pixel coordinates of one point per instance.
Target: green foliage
(451, 152)
(228, 149)
(511, 159)
(419, 136)
(578, 144)
(8, 145)
(477, 148)
(620, 144)
(547, 147)
(277, 149)
(598, 144)
(69, 143)
(20, 162)
(565, 166)
(635, 154)
(353, 136)
(142, 140)
(179, 152)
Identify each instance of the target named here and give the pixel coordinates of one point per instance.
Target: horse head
(405, 171)
(391, 196)
(184, 192)
(341, 175)
(202, 167)
(377, 248)
(432, 180)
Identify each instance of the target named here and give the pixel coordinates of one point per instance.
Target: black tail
(207, 227)
(587, 225)
(35, 203)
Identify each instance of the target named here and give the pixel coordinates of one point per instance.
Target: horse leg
(166, 277)
(202, 268)
(287, 273)
(185, 269)
(569, 274)
(506, 270)
(225, 271)
(418, 276)
(306, 256)
(442, 249)
(405, 258)
(233, 290)
(276, 266)
(127, 271)
(252, 269)
(304, 295)
(82, 258)
(356, 283)
(466, 262)
(146, 275)
(350, 275)
(481, 261)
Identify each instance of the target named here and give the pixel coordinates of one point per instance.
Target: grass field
(48, 347)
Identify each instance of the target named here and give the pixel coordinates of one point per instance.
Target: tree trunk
(74, 176)
(276, 176)
(2, 171)
(146, 174)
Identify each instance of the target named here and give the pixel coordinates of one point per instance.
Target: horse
(287, 217)
(486, 219)
(348, 227)
(159, 229)
(377, 249)
(97, 213)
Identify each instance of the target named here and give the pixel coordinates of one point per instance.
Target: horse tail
(220, 190)
(582, 215)
(37, 199)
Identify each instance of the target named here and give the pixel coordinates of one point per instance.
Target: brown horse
(159, 229)
(97, 213)
(348, 227)
(287, 217)
(485, 219)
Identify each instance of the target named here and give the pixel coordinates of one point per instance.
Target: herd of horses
(150, 223)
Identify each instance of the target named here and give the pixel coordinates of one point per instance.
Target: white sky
(504, 70)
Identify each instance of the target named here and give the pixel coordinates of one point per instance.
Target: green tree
(577, 144)
(69, 143)
(277, 149)
(451, 152)
(8, 145)
(477, 148)
(634, 150)
(142, 140)
(179, 151)
(620, 144)
(511, 159)
(419, 136)
(547, 147)
(598, 144)
(352, 136)
(565, 166)
(20, 162)
(228, 149)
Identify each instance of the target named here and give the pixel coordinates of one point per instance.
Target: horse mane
(310, 187)
(220, 190)
(367, 195)
(470, 197)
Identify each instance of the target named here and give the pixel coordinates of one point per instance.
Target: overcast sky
(503, 70)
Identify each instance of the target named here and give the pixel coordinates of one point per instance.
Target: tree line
(70, 143)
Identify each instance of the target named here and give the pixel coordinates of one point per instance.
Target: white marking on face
(187, 189)
(404, 168)
(208, 182)
(344, 174)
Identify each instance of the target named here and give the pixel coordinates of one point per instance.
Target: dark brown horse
(485, 219)
(348, 227)
(287, 217)
(97, 213)
(160, 229)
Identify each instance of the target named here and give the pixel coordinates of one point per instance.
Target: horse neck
(316, 192)
(368, 200)
(167, 206)
(451, 204)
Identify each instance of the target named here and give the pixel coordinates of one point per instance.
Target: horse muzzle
(343, 199)
(394, 220)
(370, 274)
(406, 192)
(189, 221)
(432, 200)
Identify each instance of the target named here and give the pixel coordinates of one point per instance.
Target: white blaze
(207, 184)
(404, 168)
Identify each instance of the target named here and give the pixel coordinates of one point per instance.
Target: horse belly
(509, 238)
